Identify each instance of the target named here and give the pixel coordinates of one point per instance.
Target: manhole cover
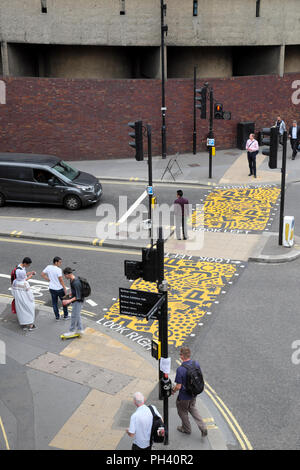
(194, 164)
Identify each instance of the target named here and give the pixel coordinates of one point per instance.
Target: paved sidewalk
(92, 388)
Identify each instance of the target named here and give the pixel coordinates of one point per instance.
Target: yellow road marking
(4, 434)
(70, 246)
(230, 419)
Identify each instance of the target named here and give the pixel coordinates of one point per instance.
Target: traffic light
(138, 139)
(218, 114)
(146, 269)
(272, 142)
(202, 101)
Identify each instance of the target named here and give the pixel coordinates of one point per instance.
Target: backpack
(85, 287)
(157, 423)
(13, 274)
(194, 379)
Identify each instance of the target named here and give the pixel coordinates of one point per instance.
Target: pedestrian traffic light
(149, 264)
(202, 92)
(218, 114)
(146, 269)
(138, 139)
(271, 140)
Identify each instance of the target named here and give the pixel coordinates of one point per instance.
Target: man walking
(181, 209)
(280, 124)
(294, 136)
(76, 299)
(53, 274)
(141, 424)
(186, 403)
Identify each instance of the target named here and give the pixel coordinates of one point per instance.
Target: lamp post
(164, 29)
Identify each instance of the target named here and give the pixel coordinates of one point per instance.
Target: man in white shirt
(294, 135)
(53, 274)
(141, 424)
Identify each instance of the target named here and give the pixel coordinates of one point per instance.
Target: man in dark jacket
(185, 402)
(294, 135)
(181, 209)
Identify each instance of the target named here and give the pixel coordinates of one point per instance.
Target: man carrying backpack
(76, 299)
(189, 382)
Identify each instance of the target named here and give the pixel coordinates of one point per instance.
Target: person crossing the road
(24, 299)
(53, 274)
(181, 209)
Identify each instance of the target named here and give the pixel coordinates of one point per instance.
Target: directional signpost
(151, 306)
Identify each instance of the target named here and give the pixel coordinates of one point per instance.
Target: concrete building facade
(77, 71)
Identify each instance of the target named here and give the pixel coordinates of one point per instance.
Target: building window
(195, 7)
(122, 7)
(44, 6)
(257, 8)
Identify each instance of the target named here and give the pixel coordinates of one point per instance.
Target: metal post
(163, 101)
(211, 125)
(195, 114)
(163, 324)
(149, 136)
(283, 173)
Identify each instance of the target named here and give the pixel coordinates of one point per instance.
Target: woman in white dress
(24, 299)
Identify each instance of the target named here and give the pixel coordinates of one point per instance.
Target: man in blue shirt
(185, 402)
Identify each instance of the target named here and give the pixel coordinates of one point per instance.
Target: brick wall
(87, 119)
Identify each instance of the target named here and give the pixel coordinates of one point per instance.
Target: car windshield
(65, 169)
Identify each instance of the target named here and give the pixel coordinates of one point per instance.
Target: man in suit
(294, 135)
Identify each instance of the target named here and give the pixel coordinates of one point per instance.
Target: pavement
(89, 369)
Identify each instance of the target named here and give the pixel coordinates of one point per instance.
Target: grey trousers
(184, 407)
(75, 316)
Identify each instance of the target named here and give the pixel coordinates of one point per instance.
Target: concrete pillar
(4, 56)
(281, 60)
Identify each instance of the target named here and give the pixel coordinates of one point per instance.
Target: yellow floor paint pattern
(92, 426)
(245, 209)
(193, 288)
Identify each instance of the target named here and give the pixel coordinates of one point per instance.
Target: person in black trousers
(294, 135)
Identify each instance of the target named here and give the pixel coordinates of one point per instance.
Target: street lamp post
(164, 29)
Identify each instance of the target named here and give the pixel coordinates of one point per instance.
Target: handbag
(13, 307)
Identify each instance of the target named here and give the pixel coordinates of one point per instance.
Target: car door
(47, 187)
(17, 183)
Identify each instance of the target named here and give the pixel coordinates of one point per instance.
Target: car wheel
(2, 200)
(72, 202)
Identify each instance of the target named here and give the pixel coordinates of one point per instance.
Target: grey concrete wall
(98, 22)
(292, 59)
(210, 61)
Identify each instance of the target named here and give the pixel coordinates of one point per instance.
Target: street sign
(150, 190)
(139, 303)
(210, 142)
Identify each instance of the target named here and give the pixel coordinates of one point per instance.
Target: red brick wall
(87, 119)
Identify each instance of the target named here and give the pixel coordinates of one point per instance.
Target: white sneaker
(69, 333)
(80, 332)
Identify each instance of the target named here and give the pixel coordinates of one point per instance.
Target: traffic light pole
(283, 174)
(211, 125)
(195, 116)
(150, 182)
(163, 325)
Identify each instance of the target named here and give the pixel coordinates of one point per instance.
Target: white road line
(133, 207)
(91, 302)
(7, 276)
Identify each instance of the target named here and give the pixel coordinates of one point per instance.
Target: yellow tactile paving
(101, 350)
(92, 426)
(238, 172)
